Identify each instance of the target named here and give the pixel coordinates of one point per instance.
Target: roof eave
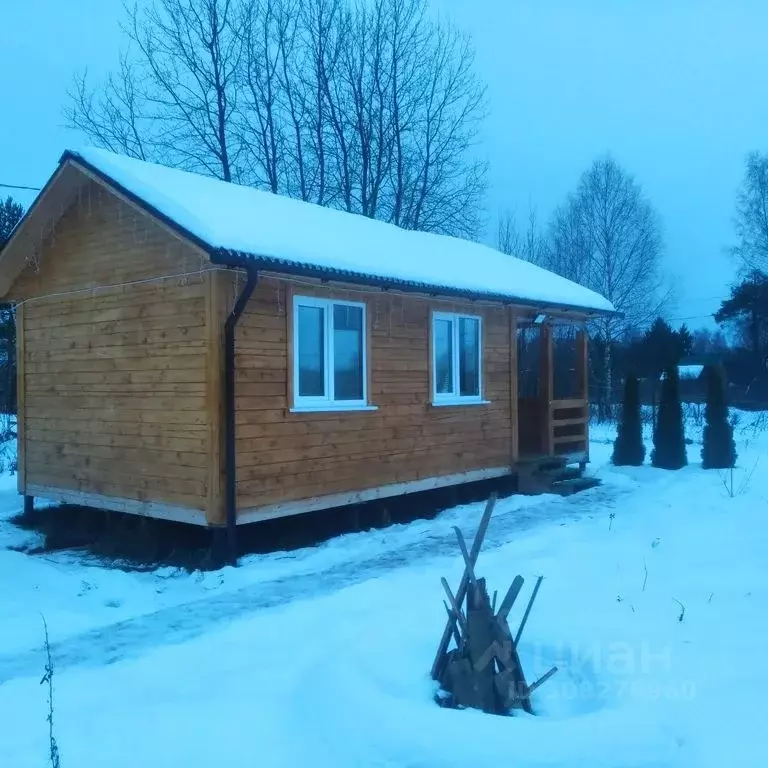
(232, 258)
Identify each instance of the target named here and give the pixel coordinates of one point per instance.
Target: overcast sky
(674, 89)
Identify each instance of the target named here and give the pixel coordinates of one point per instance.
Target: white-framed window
(457, 359)
(329, 355)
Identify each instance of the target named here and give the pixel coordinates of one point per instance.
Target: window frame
(327, 402)
(454, 397)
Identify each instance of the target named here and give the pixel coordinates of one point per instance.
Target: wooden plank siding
(284, 456)
(113, 381)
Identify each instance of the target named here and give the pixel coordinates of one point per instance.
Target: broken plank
(510, 597)
(468, 566)
(455, 607)
(528, 610)
(543, 679)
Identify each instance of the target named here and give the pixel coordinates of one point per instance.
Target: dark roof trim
(239, 259)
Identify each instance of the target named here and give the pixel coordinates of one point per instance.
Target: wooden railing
(568, 426)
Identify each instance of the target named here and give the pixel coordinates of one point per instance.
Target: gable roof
(234, 223)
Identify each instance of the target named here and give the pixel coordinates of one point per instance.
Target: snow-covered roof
(293, 236)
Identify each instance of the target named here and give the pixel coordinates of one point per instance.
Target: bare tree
(406, 43)
(267, 36)
(192, 50)
(117, 116)
(369, 83)
(529, 244)
(751, 218)
(304, 56)
(607, 236)
(366, 105)
(300, 171)
(569, 243)
(508, 237)
(174, 96)
(444, 183)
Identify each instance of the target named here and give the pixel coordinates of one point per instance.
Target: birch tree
(607, 236)
(751, 220)
(528, 244)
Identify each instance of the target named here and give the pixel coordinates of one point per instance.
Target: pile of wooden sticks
(482, 669)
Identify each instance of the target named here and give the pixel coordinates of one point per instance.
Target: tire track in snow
(176, 624)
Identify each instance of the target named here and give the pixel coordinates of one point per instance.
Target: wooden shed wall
(283, 456)
(112, 383)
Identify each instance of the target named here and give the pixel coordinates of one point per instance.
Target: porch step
(552, 476)
(573, 485)
(556, 474)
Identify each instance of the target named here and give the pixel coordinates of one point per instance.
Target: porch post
(582, 371)
(547, 383)
(582, 362)
(514, 402)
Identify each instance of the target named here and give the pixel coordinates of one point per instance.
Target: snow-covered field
(321, 657)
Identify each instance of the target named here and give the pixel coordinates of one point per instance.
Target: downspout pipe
(230, 448)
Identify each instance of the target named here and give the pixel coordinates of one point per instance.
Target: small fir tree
(719, 449)
(629, 450)
(10, 215)
(669, 434)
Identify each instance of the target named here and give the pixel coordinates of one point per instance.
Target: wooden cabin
(209, 353)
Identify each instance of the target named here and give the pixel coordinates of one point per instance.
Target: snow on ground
(321, 657)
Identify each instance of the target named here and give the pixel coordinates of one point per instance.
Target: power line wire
(690, 317)
(20, 186)
(707, 298)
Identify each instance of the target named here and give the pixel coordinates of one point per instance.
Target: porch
(552, 393)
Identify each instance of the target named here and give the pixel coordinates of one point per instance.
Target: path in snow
(179, 623)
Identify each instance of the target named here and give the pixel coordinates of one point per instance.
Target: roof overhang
(74, 172)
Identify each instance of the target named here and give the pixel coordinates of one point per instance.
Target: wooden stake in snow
(462, 591)
(483, 670)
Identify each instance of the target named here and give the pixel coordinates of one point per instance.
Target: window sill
(331, 408)
(459, 401)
